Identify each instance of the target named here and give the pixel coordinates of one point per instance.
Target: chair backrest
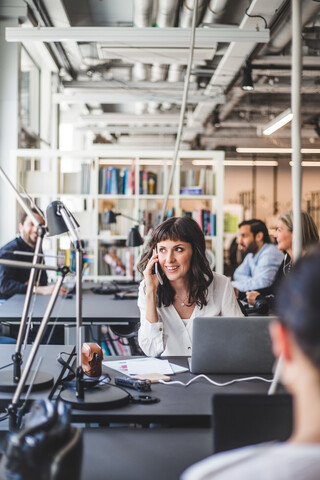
(246, 419)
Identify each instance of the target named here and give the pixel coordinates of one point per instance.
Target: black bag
(46, 448)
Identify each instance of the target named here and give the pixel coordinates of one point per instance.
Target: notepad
(149, 365)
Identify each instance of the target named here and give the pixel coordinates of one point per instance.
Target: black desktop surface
(178, 406)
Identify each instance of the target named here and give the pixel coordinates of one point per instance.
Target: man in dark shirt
(15, 280)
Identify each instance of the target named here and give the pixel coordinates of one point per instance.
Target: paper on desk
(149, 365)
(144, 365)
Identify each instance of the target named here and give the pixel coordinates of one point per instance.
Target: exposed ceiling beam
(135, 130)
(106, 86)
(132, 96)
(138, 37)
(132, 119)
(286, 60)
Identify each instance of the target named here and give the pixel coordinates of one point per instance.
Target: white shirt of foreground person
(286, 461)
(170, 336)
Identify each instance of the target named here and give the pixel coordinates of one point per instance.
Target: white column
(9, 76)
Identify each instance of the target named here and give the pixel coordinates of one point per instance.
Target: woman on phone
(184, 287)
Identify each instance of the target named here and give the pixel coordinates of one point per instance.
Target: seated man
(15, 280)
(262, 259)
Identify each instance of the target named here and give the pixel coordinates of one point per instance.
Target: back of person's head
(257, 226)
(298, 304)
(309, 230)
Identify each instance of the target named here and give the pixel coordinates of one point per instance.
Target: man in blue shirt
(262, 259)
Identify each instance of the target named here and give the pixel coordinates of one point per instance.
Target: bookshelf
(91, 182)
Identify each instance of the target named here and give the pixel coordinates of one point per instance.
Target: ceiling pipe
(214, 11)
(59, 53)
(187, 12)
(282, 34)
(142, 17)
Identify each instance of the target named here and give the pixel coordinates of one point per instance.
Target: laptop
(223, 345)
(247, 419)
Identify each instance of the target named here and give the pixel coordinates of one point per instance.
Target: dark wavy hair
(257, 226)
(187, 230)
(298, 304)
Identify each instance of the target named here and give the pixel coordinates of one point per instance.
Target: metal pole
(296, 126)
(182, 111)
(19, 198)
(36, 344)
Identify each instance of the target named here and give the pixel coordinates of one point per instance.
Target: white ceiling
(131, 94)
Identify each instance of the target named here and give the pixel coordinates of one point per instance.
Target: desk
(96, 310)
(137, 454)
(178, 406)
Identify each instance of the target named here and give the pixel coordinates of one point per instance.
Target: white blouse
(170, 336)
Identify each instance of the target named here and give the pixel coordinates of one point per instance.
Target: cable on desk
(5, 366)
(217, 384)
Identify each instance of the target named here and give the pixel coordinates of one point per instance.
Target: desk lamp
(134, 238)
(9, 382)
(60, 220)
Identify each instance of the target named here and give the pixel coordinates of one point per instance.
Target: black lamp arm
(140, 222)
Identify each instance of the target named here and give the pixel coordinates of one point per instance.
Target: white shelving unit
(79, 179)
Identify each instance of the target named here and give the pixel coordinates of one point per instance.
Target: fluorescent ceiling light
(250, 163)
(307, 164)
(138, 37)
(274, 150)
(278, 122)
(203, 162)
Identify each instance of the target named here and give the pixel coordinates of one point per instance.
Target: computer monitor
(246, 419)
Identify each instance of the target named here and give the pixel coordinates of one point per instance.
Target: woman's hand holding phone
(152, 267)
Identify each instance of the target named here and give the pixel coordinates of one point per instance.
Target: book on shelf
(116, 181)
(147, 183)
(85, 177)
(195, 182)
(191, 190)
(205, 218)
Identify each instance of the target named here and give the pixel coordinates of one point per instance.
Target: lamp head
(55, 221)
(110, 217)
(134, 238)
(247, 83)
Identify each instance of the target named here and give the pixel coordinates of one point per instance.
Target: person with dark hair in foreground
(184, 288)
(296, 338)
(262, 259)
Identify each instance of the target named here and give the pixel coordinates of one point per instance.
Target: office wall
(239, 179)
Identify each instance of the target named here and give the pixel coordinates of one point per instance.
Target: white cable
(177, 382)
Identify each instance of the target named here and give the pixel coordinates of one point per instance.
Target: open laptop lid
(233, 345)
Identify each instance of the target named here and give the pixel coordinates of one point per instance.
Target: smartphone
(155, 270)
